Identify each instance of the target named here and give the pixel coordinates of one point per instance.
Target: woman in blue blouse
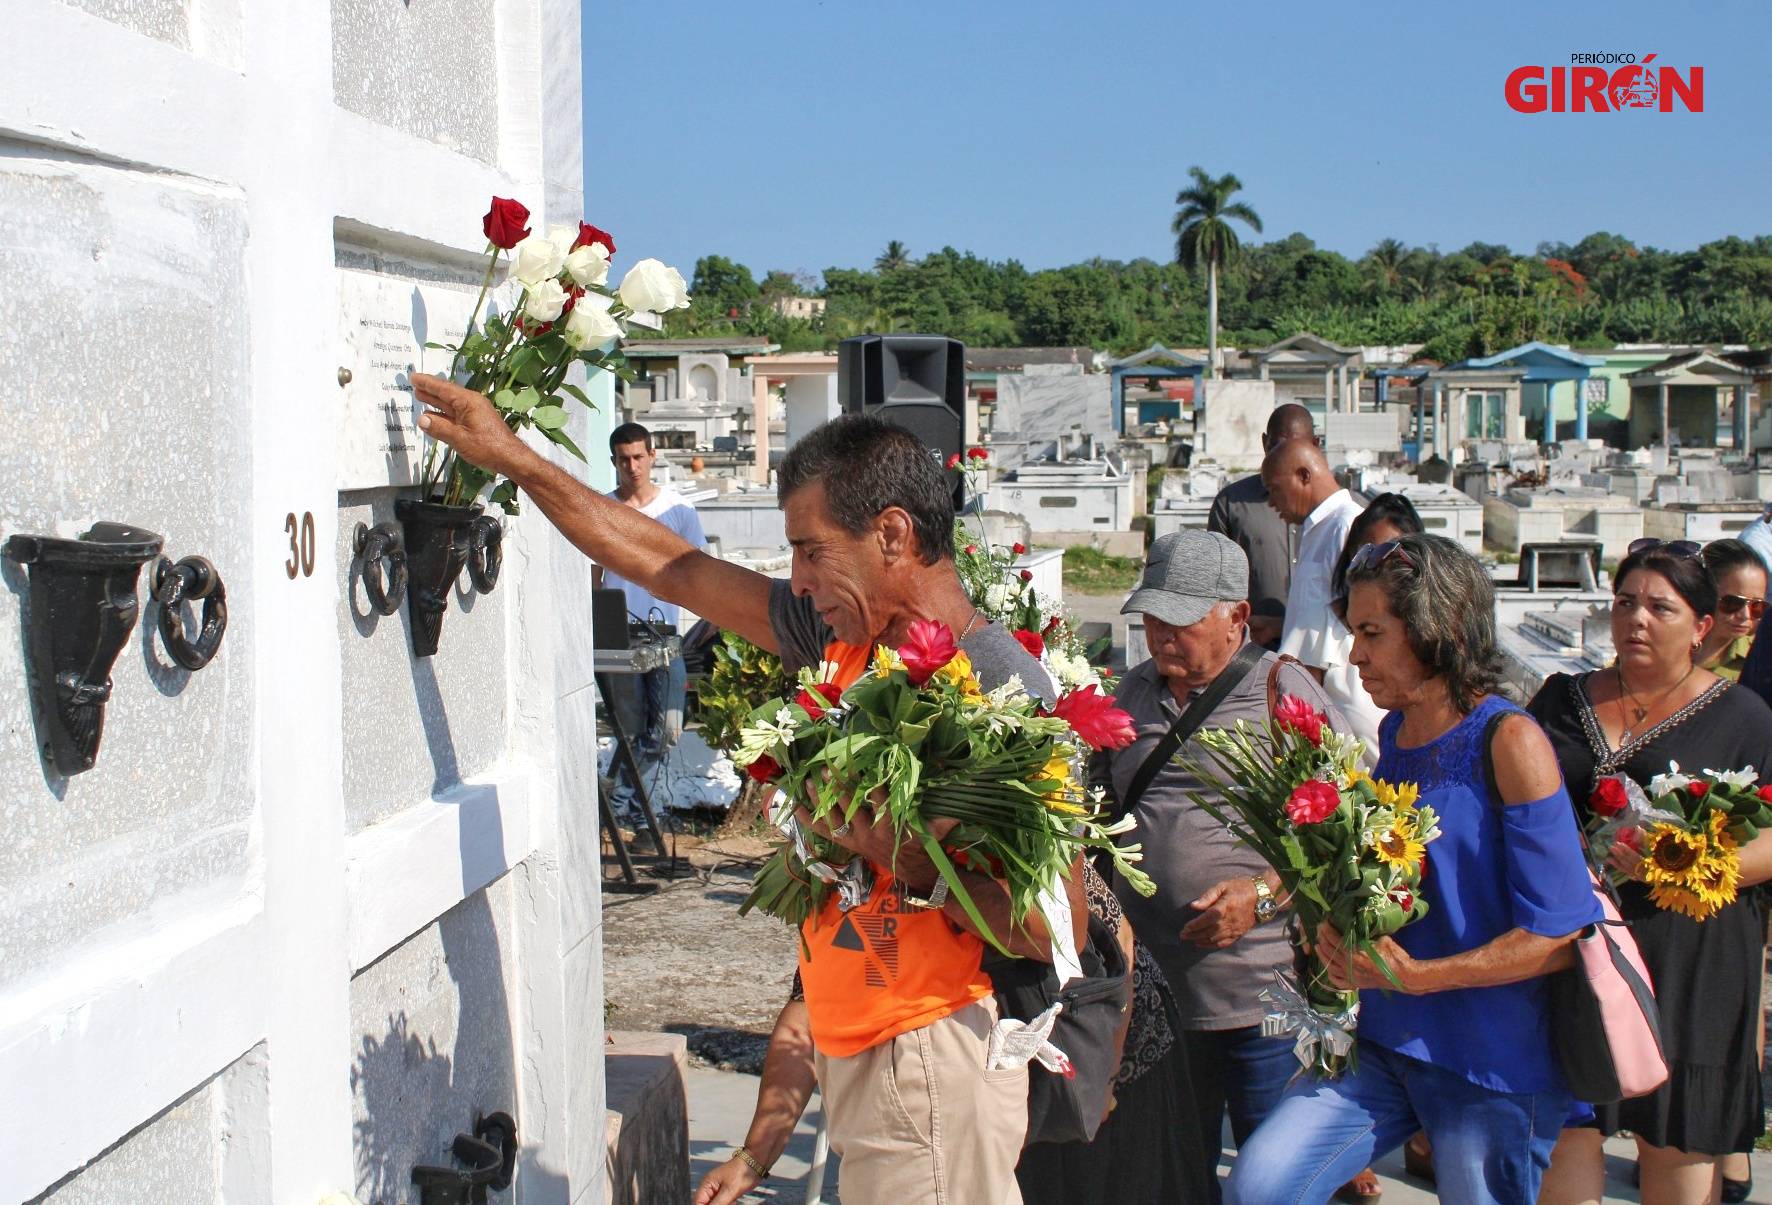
(1464, 1051)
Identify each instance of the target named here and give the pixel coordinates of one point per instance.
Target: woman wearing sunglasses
(1653, 706)
(1741, 600)
(1463, 1051)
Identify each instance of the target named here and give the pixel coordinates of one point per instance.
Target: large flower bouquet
(1348, 849)
(1688, 830)
(563, 316)
(916, 739)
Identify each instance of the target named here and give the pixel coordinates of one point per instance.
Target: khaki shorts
(919, 1119)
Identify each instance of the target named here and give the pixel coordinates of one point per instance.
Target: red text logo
(1605, 83)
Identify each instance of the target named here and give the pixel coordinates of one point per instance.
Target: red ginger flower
(1299, 716)
(1609, 798)
(1312, 802)
(1096, 719)
(588, 234)
(928, 646)
(506, 223)
(764, 769)
(1030, 640)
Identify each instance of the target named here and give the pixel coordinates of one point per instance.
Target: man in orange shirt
(898, 1008)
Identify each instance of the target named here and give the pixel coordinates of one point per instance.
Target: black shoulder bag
(1071, 1110)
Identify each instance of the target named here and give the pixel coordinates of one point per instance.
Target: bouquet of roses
(918, 740)
(1688, 830)
(1347, 847)
(564, 316)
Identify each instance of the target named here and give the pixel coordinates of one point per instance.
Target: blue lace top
(1492, 869)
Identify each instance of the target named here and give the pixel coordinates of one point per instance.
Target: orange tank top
(883, 968)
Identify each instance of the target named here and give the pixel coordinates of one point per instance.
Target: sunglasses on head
(1679, 548)
(1729, 604)
(1368, 556)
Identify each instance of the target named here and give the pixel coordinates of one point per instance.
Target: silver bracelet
(842, 830)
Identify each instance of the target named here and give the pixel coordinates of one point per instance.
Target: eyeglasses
(1369, 556)
(1679, 548)
(1729, 604)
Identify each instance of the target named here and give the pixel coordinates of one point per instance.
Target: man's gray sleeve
(799, 631)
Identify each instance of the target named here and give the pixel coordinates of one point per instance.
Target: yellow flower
(1401, 796)
(958, 670)
(1058, 771)
(1356, 776)
(1397, 846)
(885, 661)
(1694, 873)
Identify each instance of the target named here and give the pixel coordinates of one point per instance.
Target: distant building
(804, 308)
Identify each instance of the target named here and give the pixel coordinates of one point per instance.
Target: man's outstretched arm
(789, 1077)
(618, 537)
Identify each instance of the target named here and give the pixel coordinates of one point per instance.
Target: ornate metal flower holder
(440, 542)
(489, 1160)
(82, 607)
(377, 546)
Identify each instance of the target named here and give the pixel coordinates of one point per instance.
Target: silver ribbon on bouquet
(1330, 1032)
(854, 881)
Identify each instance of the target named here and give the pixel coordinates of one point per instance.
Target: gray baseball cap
(1186, 574)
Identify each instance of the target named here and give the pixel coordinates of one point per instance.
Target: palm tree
(896, 256)
(1385, 261)
(1203, 235)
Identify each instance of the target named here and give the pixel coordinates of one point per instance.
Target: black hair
(629, 433)
(1688, 575)
(1726, 556)
(1446, 602)
(1392, 508)
(867, 466)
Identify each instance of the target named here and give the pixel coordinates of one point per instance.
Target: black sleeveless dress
(1706, 974)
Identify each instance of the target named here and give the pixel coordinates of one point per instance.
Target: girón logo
(1605, 83)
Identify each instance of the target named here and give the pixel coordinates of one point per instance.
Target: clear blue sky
(802, 134)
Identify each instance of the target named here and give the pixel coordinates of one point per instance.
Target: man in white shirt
(1303, 490)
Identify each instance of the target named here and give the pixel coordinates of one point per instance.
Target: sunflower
(885, 661)
(1396, 845)
(1693, 872)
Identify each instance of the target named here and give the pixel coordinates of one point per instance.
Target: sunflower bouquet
(1688, 830)
(1348, 848)
(918, 740)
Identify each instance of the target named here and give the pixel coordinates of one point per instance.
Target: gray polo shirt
(1186, 850)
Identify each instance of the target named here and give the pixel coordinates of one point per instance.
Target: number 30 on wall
(301, 545)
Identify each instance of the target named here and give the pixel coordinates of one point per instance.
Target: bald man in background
(1241, 511)
(1302, 490)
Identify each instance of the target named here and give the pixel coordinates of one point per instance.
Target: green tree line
(1480, 299)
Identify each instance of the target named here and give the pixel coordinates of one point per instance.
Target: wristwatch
(938, 896)
(1266, 905)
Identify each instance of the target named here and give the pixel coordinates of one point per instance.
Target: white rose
(537, 258)
(651, 286)
(588, 265)
(589, 324)
(543, 302)
(996, 597)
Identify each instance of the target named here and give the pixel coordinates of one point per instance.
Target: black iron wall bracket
(191, 579)
(381, 551)
(487, 1158)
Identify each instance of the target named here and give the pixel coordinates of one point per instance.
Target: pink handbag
(1604, 1020)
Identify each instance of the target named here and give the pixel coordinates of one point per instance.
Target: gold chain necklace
(1624, 690)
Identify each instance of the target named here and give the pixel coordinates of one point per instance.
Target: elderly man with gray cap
(1214, 923)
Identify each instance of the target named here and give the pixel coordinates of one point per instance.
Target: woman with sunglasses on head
(1463, 1051)
(1741, 600)
(1656, 705)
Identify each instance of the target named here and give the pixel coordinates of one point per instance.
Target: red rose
(928, 646)
(1298, 716)
(972, 550)
(1312, 802)
(506, 223)
(764, 769)
(1630, 838)
(1027, 575)
(1051, 624)
(1609, 797)
(954, 461)
(1030, 640)
(1095, 718)
(588, 234)
(815, 701)
(1018, 548)
(976, 454)
(1765, 793)
(1698, 789)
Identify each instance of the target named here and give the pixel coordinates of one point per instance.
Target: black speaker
(917, 382)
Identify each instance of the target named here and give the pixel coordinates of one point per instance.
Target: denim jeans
(1488, 1146)
(1235, 1071)
(649, 707)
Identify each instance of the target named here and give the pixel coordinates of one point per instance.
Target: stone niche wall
(208, 1149)
(124, 379)
(425, 68)
(432, 1042)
